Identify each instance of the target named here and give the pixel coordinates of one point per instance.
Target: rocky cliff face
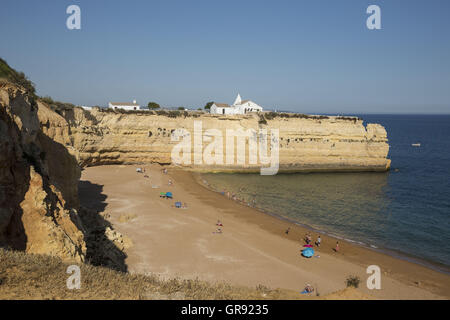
(41, 150)
(38, 183)
(305, 144)
(39, 173)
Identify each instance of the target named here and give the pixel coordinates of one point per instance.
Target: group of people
(233, 196)
(308, 240)
(308, 289)
(318, 242)
(142, 170)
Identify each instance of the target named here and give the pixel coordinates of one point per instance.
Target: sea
(404, 212)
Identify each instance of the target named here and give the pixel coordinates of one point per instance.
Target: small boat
(416, 144)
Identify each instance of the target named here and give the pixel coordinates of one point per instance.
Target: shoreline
(253, 249)
(197, 176)
(419, 269)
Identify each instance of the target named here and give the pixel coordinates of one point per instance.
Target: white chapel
(238, 107)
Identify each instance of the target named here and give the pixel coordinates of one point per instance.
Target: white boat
(416, 144)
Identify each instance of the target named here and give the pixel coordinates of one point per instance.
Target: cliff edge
(37, 207)
(306, 143)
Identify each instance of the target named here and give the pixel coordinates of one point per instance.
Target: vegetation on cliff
(57, 106)
(153, 105)
(16, 77)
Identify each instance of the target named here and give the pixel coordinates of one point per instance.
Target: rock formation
(37, 207)
(39, 174)
(305, 143)
(41, 151)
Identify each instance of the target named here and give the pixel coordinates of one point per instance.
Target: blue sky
(306, 56)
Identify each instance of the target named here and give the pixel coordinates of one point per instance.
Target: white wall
(251, 107)
(238, 109)
(124, 107)
(219, 110)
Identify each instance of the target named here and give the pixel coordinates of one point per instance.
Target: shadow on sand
(101, 250)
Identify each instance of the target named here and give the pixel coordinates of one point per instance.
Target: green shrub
(352, 281)
(207, 105)
(262, 120)
(161, 112)
(174, 114)
(153, 105)
(16, 77)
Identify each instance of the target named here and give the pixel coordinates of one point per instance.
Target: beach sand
(253, 248)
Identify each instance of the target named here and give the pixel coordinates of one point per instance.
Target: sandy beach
(253, 248)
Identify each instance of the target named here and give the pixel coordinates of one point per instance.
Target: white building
(238, 107)
(124, 105)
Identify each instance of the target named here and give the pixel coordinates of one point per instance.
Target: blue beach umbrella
(169, 194)
(308, 252)
(178, 204)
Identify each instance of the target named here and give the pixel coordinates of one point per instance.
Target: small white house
(221, 108)
(238, 107)
(124, 105)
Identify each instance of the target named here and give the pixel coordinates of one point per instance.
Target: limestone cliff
(305, 143)
(41, 150)
(38, 183)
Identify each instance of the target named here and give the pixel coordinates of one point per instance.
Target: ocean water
(405, 211)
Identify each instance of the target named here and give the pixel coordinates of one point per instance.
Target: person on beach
(308, 289)
(308, 238)
(287, 230)
(319, 240)
(337, 247)
(219, 223)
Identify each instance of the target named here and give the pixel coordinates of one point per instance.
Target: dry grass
(30, 276)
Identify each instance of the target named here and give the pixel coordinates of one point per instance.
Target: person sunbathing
(218, 230)
(308, 239)
(308, 289)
